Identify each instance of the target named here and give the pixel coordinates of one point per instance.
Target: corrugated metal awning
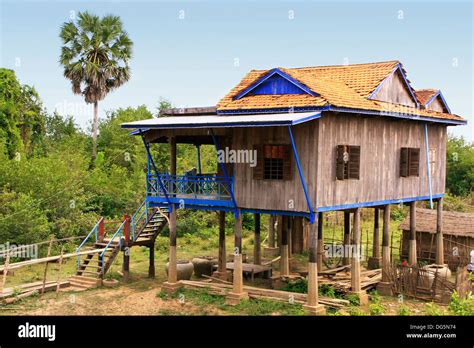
(215, 121)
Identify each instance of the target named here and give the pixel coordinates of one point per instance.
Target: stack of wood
(222, 288)
(10, 295)
(340, 278)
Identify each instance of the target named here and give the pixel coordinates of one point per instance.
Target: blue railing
(140, 216)
(118, 233)
(187, 186)
(95, 231)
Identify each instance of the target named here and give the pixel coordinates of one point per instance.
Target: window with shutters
(347, 162)
(409, 161)
(273, 162)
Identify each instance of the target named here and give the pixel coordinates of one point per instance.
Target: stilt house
(325, 138)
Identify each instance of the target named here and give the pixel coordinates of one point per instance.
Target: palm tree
(95, 56)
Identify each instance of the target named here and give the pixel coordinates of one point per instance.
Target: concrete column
(271, 232)
(257, 259)
(375, 259)
(312, 305)
(284, 260)
(355, 262)
(222, 272)
(439, 233)
(172, 284)
(347, 236)
(320, 241)
(412, 259)
(385, 286)
(237, 294)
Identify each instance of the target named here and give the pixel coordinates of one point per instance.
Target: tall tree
(95, 55)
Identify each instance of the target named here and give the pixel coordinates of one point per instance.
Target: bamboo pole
(59, 270)
(46, 265)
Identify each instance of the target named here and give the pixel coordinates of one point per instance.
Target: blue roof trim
(351, 110)
(438, 94)
(377, 203)
(398, 67)
(270, 74)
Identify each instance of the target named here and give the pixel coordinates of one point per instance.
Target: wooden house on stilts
(325, 138)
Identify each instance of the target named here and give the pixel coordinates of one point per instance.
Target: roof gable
(275, 82)
(437, 103)
(395, 88)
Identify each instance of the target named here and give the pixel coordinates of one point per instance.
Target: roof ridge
(395, 62)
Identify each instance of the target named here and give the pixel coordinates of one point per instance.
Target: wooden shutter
(404, 155)
(258, 169)
(287, 167)
(340, 162)
(354, 162)
(414, 160)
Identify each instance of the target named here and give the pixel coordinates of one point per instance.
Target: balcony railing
(205, 186)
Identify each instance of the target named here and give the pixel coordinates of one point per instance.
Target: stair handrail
(119, 230)
(94, 229)
(135, 220)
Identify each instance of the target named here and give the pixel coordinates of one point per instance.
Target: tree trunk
(95, 126)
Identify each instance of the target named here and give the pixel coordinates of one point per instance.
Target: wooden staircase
(93, 268)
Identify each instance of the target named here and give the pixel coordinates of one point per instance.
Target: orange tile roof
(342, 86)
(423, 95)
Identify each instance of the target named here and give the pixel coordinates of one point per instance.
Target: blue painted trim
(190, 201)
(303, 183)
(398, 115)
(224, 170)
(272, 110)
(438, 94)
(150, 158)
(270, 74)
(377, 203)
(428, 165)
(349, 110)
(198, 148)
(398, 67)
(276, 212)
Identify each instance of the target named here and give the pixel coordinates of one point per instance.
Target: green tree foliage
(21, 116)
(95, 55)
(460, 163)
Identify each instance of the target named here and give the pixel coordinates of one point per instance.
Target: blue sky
(192, 60)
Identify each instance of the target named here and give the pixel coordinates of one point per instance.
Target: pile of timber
(10, 295)
(223, 288)
(340, 278)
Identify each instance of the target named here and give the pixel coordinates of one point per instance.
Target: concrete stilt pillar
(271, 232)
(320, 242)
(385, 286)
(257, 258)
(270, 250)
(355, 261)
(284, 252)
(172, 284)
(439, 233)
(347, 236)
(313, 306)
(222, 272)
(237, 294)
(375, 260)
(412, 258)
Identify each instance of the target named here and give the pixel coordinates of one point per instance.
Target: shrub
(403, 310)
(356, 311)
(376, 309)
(461, 306)
(433, 309)
(353, 299)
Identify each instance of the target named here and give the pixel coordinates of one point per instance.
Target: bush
(376, 309)
(461, 306)
(299, 286)
(433, 309)
(403, 310)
